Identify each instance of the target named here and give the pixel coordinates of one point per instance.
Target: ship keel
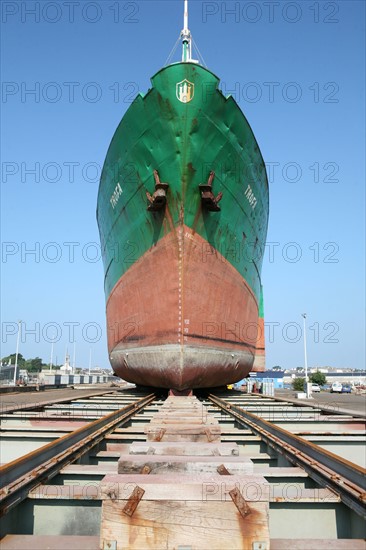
(181, 367)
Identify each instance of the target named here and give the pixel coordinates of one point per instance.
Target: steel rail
(343, 477)
(21, 475)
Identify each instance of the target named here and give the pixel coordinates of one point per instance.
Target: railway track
(126, 469)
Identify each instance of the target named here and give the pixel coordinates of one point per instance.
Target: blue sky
(297, 70)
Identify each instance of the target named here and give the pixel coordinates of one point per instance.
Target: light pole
(306, 359)
(73, 359)
(89, 361)
(17, 351)
(51, 359)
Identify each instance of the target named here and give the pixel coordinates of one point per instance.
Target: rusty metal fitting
(208, 199)
(158, 199)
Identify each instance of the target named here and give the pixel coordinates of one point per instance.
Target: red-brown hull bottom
(182, 317)
(259, 364)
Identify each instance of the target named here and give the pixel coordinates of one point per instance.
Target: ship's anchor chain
(158, 199)
(208, 199)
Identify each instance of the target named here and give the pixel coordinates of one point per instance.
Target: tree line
(315, 378)
(31, 365)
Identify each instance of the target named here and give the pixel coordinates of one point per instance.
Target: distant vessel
(182, 215)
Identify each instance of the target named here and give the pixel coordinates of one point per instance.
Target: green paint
(261, 305)
(184, 142)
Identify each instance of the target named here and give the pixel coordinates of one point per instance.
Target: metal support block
(223, 471)
(133, 501)
(240, 502)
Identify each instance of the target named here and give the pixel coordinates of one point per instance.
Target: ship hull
(182, 282)
(182, 317)
(259, 364)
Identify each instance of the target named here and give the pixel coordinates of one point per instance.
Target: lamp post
(17, 351)
(73, 359)
(51, 358)
(306, 359)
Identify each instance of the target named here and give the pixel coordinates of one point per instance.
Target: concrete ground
(334, 402)
(20, 399)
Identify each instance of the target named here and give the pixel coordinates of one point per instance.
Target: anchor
(158, 199)
(209, 201)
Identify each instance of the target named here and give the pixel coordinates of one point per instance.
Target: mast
(186, 36)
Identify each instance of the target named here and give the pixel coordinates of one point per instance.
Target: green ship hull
(182, 214)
